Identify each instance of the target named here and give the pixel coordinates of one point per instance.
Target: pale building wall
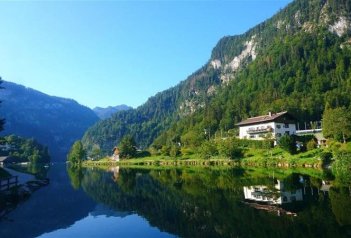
(257, 193)
(279, 129)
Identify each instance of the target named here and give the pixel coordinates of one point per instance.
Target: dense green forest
(296, 61)
(26, 150)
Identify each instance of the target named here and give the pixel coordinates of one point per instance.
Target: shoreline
(203, 163)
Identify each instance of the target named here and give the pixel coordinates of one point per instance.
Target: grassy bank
(275, 157)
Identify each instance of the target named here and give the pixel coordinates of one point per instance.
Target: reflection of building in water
(115, 155)
(115, 171)
(278, 195)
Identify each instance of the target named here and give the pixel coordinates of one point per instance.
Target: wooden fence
(8, 183)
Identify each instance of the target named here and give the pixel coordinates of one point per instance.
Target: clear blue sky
(116, 52)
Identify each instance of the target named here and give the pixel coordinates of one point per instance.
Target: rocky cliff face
(231, 56)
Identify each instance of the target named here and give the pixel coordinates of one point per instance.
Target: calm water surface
(183, 203)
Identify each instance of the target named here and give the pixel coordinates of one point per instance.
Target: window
(287, 133)
(252, 136)
(286, 125)
(278, 126)
(279, 134)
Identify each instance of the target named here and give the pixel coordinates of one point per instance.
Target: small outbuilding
(115, 155)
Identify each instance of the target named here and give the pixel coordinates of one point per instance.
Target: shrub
(174, 151)
(311, 145)
(254, 144)
(230, 149)
(341, 168)
(142, 154)
(326, 157)
(288, 143)
(186, 151)
(208, 149)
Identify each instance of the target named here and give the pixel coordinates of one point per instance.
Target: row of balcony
(260, 130)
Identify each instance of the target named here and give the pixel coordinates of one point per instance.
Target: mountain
(52, 121)
(104, 113)
(298, 60)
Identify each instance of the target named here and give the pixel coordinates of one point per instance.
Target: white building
(260, 193)
(270, 126)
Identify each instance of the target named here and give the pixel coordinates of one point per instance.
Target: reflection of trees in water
(54, 207)
(40, 171)
(207, 203)
(75, 175)
(341, 205)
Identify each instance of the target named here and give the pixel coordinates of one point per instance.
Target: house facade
(261, 193)
(270, 126)
(115, 155)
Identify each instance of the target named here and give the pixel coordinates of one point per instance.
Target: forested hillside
(299, 60)
(52, 121)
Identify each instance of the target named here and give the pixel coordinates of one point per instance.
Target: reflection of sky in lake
(108, 226)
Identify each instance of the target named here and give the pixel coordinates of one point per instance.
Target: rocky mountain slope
(52, 121)
(297, 60)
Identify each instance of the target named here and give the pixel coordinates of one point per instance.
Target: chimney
(270, 114)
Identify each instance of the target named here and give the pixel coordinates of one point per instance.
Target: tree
(127, 147)
(341, 168)
(337, 123)
(288, 143)
(77, 153)
(229, 148)
(2, 120)
(208, 149)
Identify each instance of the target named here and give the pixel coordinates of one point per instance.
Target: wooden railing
(6, 184)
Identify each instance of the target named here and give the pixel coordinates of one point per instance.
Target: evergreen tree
(127, 147)
(77, 153)
(288, 143)
(337, 123)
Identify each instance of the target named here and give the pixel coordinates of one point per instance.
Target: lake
(192, 202)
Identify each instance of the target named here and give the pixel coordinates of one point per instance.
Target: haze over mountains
(298, 60)
(104, 113)
(53, 121)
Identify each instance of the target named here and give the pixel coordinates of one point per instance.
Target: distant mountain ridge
(104, 113)
(53, 121)
(298, 60)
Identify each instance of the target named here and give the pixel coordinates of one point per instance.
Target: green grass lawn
(275, 157)
(278, 157)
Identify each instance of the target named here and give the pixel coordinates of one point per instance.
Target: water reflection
(210, 203)
(183, 202)
(279, 195)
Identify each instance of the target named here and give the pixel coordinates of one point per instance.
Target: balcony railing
(260, 130)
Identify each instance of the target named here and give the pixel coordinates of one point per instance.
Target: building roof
(262, 119)
(3, 158)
